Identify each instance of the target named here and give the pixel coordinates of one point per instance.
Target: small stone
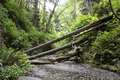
(28, 78)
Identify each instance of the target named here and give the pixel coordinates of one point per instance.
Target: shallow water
(72, 71)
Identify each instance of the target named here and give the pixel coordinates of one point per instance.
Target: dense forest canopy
(27, 23)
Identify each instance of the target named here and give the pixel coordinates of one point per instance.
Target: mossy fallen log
(65, 46)
(93, 24)
(72, 53)
(57, 49)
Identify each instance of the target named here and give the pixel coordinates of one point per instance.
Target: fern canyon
(59, 39)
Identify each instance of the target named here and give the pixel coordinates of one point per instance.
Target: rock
(28, 78)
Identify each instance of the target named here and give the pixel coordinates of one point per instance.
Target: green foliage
(17, 30)
(20, 14)
(103, 8)
(108, 38)
(14, 37)
(12, 64)
(12, 72)
(10, 56)
(110, 67)
(19, 34)
(21, 40)
(3, 12)
(82, 21)
(106, 47)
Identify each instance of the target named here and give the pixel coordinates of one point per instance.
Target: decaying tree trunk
(52, 51)
(90, 30)
(98, 22)
(72, 53)
(39, 62)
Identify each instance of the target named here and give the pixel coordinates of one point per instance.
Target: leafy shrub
(12, 72)
(21, 35)
(3, 12)
(103, 9)
(82, 21)
(10, 56)
(106, 48)
(13, 64)
(20, 14)
(13, 37)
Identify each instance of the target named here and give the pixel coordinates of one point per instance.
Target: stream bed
(71, 71)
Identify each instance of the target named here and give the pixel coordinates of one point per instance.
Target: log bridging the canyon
(93, 24)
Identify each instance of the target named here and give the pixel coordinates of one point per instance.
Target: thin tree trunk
(113, 10)
(28, 4)
(74, 10)
(98, 22)
(36, 14)
(90, 6)
(44, 8)
(51, 15)
(62, 11)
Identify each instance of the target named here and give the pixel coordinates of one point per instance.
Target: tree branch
(113, 10)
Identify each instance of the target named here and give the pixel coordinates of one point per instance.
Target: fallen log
(98, 22)
(52, 51)
(65, 46)
(76, 51)
(90, 30)
(67, 56)
(39, 62)
(51, 61)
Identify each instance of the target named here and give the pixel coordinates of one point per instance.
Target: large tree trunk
(98, 22)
